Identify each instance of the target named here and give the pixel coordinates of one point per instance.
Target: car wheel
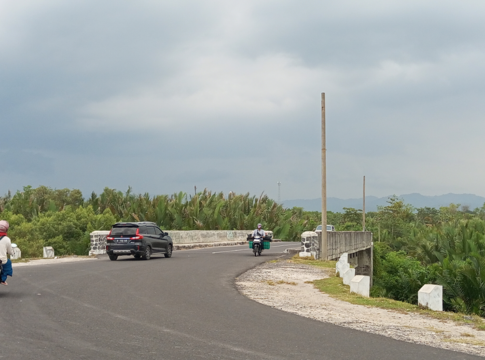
(168, 254)
(113, 257)
(148, 253)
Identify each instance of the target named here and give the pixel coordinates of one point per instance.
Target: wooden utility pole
(323, 245)
(363, 210)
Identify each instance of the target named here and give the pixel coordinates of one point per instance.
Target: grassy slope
(334, 287)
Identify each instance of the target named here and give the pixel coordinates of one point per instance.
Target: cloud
(26, 162)
(211, 91)
(207, 90)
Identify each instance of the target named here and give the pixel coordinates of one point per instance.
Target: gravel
(282, 285)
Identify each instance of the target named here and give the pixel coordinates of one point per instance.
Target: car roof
(134, 224)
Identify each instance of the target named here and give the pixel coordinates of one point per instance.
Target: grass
(465, 341)
(334, 287)
(438, 331)
(313, 262)
(279, 282)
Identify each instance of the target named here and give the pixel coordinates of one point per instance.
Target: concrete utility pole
(323, 245)
(279, 192)
(363, 210)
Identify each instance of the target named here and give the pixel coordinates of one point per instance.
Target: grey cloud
(69, 55)
(24, 162)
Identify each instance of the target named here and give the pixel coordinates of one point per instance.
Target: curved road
(185, 307)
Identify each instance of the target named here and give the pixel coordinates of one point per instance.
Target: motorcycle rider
(5, 249)
(259, 232)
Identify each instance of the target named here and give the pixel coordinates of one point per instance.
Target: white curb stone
(17, 254)
(341, 262)
(431, 297)
(344, 258)
(360, 284)
(348, 276)
(343, 269)
(49, 252)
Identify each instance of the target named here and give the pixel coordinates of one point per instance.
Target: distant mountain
(371, 202)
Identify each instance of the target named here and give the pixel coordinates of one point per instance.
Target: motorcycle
(257, 243)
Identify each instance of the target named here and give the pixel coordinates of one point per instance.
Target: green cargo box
(266, 245)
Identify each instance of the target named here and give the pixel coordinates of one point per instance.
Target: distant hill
(371, 202)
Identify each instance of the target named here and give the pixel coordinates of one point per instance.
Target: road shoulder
(288, 287)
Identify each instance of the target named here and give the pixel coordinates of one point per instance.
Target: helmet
(259, 225)
(4, 225)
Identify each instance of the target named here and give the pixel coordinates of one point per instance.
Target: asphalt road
(186, 307)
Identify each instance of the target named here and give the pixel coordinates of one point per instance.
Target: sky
(163, 96)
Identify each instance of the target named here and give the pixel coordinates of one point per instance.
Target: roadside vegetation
(412, 247)
(64, 219)
(334, 287)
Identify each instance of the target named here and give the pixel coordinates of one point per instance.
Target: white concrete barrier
(348, 276)
(98, 242)
(17, 254)
(360, 284)
(343, 269)
(431, 297)
(309, 244)
(49, 252)
(344, 259)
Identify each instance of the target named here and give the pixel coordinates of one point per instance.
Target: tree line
(64, 219)
(412, 247)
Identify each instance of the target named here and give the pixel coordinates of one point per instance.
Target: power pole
(324, 244)
(363, 210)
(279, 192)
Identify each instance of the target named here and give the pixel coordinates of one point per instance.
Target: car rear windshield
(123, 231)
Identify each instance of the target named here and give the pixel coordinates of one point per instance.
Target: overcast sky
(225, 95)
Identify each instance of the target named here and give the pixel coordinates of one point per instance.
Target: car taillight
(138, 236)
(109, 237)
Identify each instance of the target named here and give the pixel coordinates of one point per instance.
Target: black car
(139, 239)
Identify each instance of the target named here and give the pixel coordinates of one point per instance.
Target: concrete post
(17, 254)
(48, 252)
(308, 239)
(360, 284)
(431, 297)
(363, 209)
(323, 245)
(348, 276)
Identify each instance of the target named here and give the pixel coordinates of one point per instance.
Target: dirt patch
(282, 285)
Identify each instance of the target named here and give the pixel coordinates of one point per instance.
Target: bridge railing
(339, 242)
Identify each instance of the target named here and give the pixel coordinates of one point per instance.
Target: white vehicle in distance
(329, 228)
